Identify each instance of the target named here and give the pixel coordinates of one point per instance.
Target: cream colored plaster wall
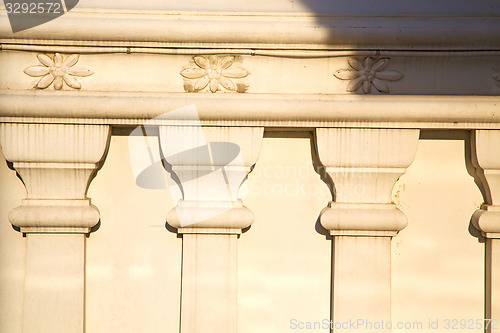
(133, 262)
(284, 264)
(437, 265)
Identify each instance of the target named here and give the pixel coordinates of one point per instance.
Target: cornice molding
(280, 30)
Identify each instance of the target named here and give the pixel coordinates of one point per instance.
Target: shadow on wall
(320, 169)
(370, 26)
(398, 6)
(313, 6)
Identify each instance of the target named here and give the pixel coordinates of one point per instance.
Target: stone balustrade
(203, 99)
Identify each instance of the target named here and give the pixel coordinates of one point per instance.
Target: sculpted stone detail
(368, 73)
(496, 76)
(57, 69)
(213, 72)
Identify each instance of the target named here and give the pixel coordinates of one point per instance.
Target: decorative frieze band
(222, 73)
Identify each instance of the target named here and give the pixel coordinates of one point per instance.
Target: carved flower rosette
(214, 73)
(496, 76)
(367, 74)
(59, 70)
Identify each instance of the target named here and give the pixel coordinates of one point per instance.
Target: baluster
(56, 163)
(364, 165)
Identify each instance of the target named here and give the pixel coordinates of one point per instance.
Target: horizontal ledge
(150, 28)
(231, 109)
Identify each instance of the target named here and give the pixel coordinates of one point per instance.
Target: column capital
(209, 164)
(364, 165)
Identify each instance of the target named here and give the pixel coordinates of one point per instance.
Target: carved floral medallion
(57, 69)
(214, 72)
(496, 76)
(368, 73)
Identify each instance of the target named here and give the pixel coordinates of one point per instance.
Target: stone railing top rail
(271, 110)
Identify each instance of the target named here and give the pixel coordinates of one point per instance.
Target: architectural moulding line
(271, 110)
(280, 125)
(209, 50)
